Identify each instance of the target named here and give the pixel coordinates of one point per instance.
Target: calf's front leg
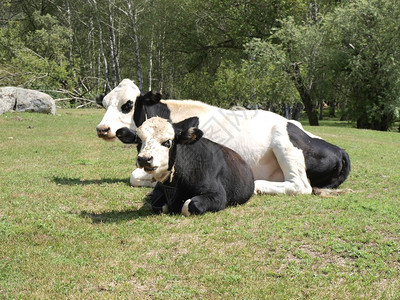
(213, 201)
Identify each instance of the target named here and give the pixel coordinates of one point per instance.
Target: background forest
(282, 55)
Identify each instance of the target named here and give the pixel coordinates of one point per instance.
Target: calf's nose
(144, 160)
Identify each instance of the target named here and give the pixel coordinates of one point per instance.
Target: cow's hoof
(165, 209)
(185, 208)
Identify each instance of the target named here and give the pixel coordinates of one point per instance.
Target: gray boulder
(7, 99)
(19, 99)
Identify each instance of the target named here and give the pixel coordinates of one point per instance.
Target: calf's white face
(156, 135)
(119, 104)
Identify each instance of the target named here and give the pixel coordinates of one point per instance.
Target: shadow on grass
(115, 216)
(78, 181)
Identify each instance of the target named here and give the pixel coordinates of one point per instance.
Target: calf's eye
(127, 107)
(166, 143)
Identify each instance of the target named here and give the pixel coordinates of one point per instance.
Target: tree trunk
(332, 108)
(151, 59)
(297, 110)
(321, 109)
(71, 34)
(113, 49)
(309, 106)
(107, 87)
(161, 62)
(132, 16)
(305, 95)
(288, 110)
(91, 49)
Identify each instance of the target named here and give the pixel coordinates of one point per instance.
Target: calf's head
(159, 139)
(120, 106)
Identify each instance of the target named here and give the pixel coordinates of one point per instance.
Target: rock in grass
(19, 99)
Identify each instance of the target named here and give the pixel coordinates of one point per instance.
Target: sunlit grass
(72, 227)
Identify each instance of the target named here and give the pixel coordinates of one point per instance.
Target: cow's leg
(158, 200)
(292, 163)
(139, 178)
(200, 204)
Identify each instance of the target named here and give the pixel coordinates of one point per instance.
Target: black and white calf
(284, 158)
(195, 175)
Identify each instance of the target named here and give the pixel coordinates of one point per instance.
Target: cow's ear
(190, 136)
(127, 136)
(151, 98)
(186, 131)
(99, 99)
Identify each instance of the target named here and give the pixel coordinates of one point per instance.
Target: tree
(258, 81)
(34, 52)
(361, 40)
(212, 34)
(292, 53)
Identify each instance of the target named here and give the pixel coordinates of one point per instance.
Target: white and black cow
(195, 174)
(284, 158)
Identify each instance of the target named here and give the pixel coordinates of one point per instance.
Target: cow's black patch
(148, 106)
(128, 136)
(327, 166)
(127, 107)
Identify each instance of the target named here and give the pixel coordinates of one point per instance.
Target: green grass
(72, 227)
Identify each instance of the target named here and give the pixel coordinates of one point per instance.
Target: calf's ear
(190, 136)
(186, 131)
(127, 136)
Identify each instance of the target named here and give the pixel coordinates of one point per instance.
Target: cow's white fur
(153, 134)
(185, 208)
(165, 209)
(140, 178)
(260, 137)
(112, 102)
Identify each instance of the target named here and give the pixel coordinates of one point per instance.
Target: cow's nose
(102, 130)
(144, 160)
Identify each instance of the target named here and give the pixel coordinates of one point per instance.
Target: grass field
(72, 227)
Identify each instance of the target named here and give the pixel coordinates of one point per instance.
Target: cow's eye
(127, 107)
(166, 143)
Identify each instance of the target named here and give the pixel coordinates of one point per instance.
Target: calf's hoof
(185, 208)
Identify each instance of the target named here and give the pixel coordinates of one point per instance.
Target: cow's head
(159, 139)
(120, 105)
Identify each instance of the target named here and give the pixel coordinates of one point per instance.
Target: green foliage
(194, 85)
(268, 64)
(256, 81)
(49, 39)
(362, 42)
(35, 58)
(214, 37)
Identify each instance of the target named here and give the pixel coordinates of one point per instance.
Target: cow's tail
(342, 176)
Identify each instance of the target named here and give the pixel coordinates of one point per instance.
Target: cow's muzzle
(144, 161)
(102, 131)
